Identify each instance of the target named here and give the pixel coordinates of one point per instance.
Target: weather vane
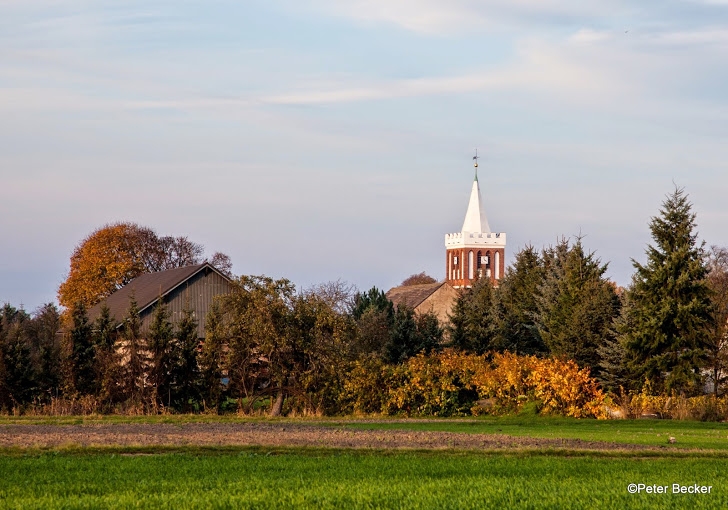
(475, 158)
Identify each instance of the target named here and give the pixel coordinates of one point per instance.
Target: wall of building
(197, 294)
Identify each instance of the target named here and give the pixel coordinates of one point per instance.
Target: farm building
(428, 297)
(192, 287)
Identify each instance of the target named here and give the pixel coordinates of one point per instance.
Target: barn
(192, 287)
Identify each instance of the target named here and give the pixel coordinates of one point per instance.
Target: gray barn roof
(146, 289)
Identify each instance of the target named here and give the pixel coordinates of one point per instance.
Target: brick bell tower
(475, 252)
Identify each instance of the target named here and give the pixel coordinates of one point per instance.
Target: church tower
(475, 252)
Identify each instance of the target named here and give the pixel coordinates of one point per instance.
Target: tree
(373, 298)
(474, 321)
(212, 359)
(669, 312)
(107, 369)
(418, 279)
(576, 304)
(17, 374)
(718, 330)
(46, 350)
(517, 305)
(82, 359)
(257, 322)
(222, 263)
(185, 371)
(113, 255)
(134, 370)
(161, 357)
(373, 314)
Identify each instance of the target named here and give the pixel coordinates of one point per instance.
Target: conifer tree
(474, 320)
(108, 369)
(18, 381)
(82, 353)
(669, 303)
(517, 306)
(44, 328)
(212, 359)
(576, 304)
(134, 371)
(185, 376)
(161, 356)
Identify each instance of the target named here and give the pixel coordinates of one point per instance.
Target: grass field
(340, 479)
(269, 477)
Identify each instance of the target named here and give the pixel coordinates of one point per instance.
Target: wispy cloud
(457, 16)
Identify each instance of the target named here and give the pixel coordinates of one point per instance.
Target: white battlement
(461, 239)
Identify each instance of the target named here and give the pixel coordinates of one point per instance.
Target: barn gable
(192, 287)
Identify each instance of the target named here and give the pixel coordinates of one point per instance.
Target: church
(473, 253)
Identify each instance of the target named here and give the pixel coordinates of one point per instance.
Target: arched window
(497, 265)
(471, 265)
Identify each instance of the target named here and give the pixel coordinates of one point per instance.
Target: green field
(268, 477)
(338, 479)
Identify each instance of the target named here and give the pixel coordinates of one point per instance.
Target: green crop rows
(339, 479)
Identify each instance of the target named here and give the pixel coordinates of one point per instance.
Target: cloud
(458, 16)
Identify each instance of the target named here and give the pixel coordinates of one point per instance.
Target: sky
(320, 140)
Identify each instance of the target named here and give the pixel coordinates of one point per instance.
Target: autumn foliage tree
(113, 255)
(418, 279)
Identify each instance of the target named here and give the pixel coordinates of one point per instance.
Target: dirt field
(271, 434)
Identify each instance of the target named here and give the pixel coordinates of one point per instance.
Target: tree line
(270, 346)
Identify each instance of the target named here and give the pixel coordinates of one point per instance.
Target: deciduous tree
(418, 279)
(113, 255)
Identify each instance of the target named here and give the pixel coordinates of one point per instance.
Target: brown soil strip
(271, 434)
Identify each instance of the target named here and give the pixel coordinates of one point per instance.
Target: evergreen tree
(412, 334)
(134, 371)
(108, 370)
(46, 347)
(517, 305)
(82, 353)
(212, 358)
(18, 382)
(474, 320)
(375, 299)
(403, 336)
(576, 304)
(375, 316)
(669, 303)
(185, 377)
(159, 342)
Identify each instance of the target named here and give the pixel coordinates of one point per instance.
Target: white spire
(475, 220)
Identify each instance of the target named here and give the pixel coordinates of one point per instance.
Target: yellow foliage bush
(452, 383)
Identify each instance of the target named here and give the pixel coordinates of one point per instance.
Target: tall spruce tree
(474, 321)
(517, 306)
(213, 359)
(108, 369)
(185, 376)
(576, 304)
(134, 371)
(161, 355)
(82, 377)
(669, 303)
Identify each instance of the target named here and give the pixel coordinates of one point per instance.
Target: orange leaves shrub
(437, 385)
(450, 383)
(556, 386)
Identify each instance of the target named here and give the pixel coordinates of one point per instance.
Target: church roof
(475, 220)
(412, 296)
